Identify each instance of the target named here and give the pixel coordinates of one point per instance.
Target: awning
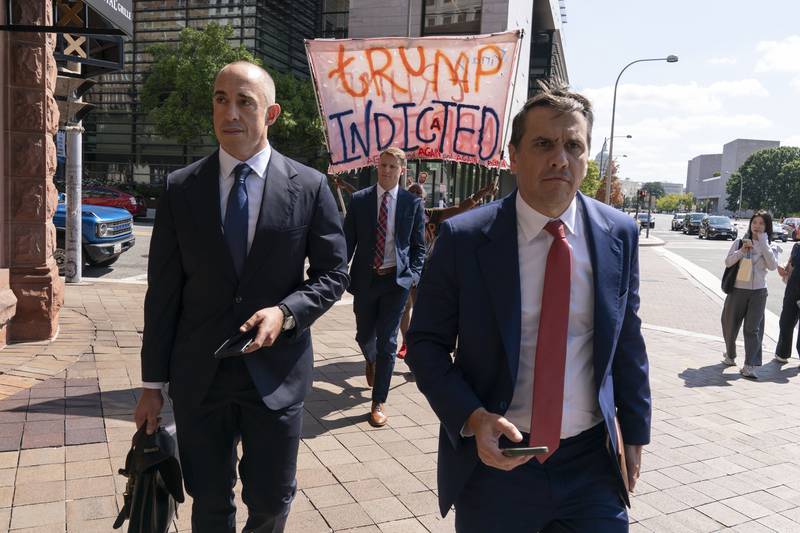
(119, 13)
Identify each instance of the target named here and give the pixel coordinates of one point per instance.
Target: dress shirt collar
(392, 191)
(532, 222)
(258, 163)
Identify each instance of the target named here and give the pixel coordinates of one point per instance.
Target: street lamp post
(668, 59)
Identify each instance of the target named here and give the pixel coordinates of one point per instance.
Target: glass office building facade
(120, 142)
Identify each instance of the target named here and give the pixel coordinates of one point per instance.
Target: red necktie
(380, 234)
(551, 344)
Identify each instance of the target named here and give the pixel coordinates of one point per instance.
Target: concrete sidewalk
(724, 453)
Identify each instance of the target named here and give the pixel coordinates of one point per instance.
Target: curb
(651, 241)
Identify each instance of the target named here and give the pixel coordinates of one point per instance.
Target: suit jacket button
(238, 300)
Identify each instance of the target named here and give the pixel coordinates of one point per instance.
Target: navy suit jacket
(469, 301)
(195, 299)
(360, 225)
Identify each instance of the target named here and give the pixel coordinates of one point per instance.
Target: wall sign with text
(433, 97)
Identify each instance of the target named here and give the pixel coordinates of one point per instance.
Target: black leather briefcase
(155, 483)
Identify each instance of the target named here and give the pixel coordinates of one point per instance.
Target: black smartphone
(236, 345)
(519, 452)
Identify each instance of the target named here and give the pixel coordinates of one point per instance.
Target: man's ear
(273, 112)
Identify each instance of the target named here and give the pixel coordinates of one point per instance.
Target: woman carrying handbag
(751, 257)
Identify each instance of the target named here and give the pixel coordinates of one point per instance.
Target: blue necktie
(236, 218)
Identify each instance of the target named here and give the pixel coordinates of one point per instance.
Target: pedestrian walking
(385, 228)
(790, 273)
(230, 240)
(746, 302)
(526, 334)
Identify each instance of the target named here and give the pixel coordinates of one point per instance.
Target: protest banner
(433, 97)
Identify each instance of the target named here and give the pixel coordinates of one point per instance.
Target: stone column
(8, 302)
(31, 163)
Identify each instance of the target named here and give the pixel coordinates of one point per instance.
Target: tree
(178, 90)
(654, 188)
(768, 180)
(298, 132)
(675, 202)
(591, 182)
(617, 199)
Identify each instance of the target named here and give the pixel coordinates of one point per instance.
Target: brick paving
(724, 455)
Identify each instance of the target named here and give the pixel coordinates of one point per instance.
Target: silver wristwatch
(288, 318)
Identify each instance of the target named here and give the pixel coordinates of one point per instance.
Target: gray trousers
(748, 306)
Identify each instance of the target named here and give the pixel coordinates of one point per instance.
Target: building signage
(118, 12)
(433, 97)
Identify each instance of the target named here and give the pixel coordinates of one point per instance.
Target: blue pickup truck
(107, 232)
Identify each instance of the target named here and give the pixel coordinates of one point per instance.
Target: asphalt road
(710, 255)
(131, 265)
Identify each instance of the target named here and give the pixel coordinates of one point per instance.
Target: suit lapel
(276, 209)
(606, 255)
(204, 203)
(502, 282)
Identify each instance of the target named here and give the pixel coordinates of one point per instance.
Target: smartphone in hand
(236, 345)
(519, 452)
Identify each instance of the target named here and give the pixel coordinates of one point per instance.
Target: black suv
(691, 223)
(717, 227)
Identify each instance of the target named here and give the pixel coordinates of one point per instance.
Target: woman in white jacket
(748, 299)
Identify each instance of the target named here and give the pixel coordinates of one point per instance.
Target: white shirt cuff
(154, 384)
(466, 433)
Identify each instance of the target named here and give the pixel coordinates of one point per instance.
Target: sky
(738, 76)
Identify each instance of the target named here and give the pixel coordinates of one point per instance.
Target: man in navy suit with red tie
(537, 295)
(384, 228)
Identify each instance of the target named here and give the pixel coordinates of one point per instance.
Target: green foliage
(654, 188)
(298, 132)
(769, 179)
(675, 202)
(592, 180)
(178, 89)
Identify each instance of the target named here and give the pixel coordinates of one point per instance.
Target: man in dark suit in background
(539, 292)
(231, 236)
(385, 230)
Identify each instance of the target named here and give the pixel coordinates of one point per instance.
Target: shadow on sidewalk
(340, 397)
(714, 375)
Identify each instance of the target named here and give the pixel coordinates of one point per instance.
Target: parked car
(111, 197)
(107, 232)
(677, 222)
(645, 220)
(779, 232)
(791, 225)
(716, 227)
(691, 223)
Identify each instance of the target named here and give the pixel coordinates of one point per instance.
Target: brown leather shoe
(377, 418)
(370, 372)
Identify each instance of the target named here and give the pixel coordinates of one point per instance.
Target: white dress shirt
(389, 255)
(580, 410)
(254, 182)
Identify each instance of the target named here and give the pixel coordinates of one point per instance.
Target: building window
(452, 17)
(335, 15)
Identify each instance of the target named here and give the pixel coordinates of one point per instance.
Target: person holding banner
(526, 342)
(230, 240)
(384, 227)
